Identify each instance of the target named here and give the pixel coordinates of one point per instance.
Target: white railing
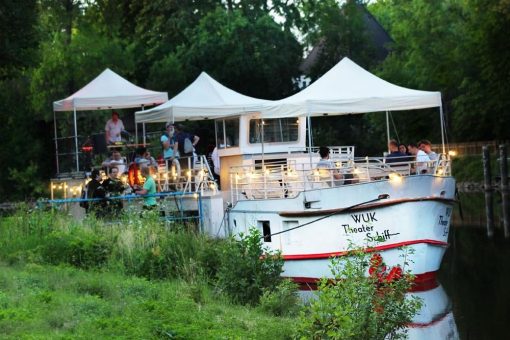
(335, 152)
(287, 180)
(189, 174)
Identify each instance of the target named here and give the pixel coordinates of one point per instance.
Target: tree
(458, 48)
(422, 57)
(337, 31)
(19, 130)
(480, 110)
(18, 36)
(257, 58)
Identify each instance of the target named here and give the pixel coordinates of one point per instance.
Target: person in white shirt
(328, 168)
(425, 146)
(115, 160)
(421, 158)
(113, 128)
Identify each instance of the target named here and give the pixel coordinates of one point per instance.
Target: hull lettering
(365, 217)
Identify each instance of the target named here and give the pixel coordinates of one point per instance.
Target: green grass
(58, 302)
(134, 246)
(137, 279)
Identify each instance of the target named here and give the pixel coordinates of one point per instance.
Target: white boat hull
(416, 215)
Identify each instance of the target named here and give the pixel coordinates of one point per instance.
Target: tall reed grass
(143, 247)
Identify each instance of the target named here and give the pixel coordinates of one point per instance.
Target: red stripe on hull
(297, 257)
(422, 282)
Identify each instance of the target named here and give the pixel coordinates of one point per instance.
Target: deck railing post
(504, 188)
(489, 208)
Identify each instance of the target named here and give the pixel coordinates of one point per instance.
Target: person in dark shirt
(186, 143)
(395, 156)
(91, 189)
(114, 187)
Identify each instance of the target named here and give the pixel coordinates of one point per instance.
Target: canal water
(475, 273)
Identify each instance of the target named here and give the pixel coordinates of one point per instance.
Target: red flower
(376, 260)
(394, 274)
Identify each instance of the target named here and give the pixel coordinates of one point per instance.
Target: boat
(270, 180)
(306, 217)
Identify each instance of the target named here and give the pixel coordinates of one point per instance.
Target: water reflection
(470, 212)
(435, 319)
(475, 272)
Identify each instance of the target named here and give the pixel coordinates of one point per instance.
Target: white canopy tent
(348, 88)
(205, 98)
(106, 91)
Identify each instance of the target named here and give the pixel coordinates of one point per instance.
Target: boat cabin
(249, 141)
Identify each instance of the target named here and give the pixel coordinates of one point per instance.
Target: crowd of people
(178, 146)
(418, 156)
(105, 189)
(109, 191)
(178, 149)
(421, 153)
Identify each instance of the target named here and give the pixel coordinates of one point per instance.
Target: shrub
(80, 248)
(354, 306)
(283, 300)
(152, 251)
(247, 268)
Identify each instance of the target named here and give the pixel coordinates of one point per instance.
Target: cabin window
(279, 130)
(266, 230)
(270, 164)
(227, 133)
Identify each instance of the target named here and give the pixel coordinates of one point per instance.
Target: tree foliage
(459, 48)
(338, 30)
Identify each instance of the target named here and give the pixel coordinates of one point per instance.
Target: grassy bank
(140, 278)
(133, 246)
(137, 278)
(41, 301)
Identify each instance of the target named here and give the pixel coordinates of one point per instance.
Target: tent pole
(388, 129)
(56, 140)
(442, 126)
(309, 121)
(143, 131)
(136, 127)
(262, 142)
(224, 135)
(76, 141)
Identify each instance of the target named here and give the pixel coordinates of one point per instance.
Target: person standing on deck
(149, 188)
(169, 143)
(113, 128)
(91, 188)
(186, 143)
(114, 187)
